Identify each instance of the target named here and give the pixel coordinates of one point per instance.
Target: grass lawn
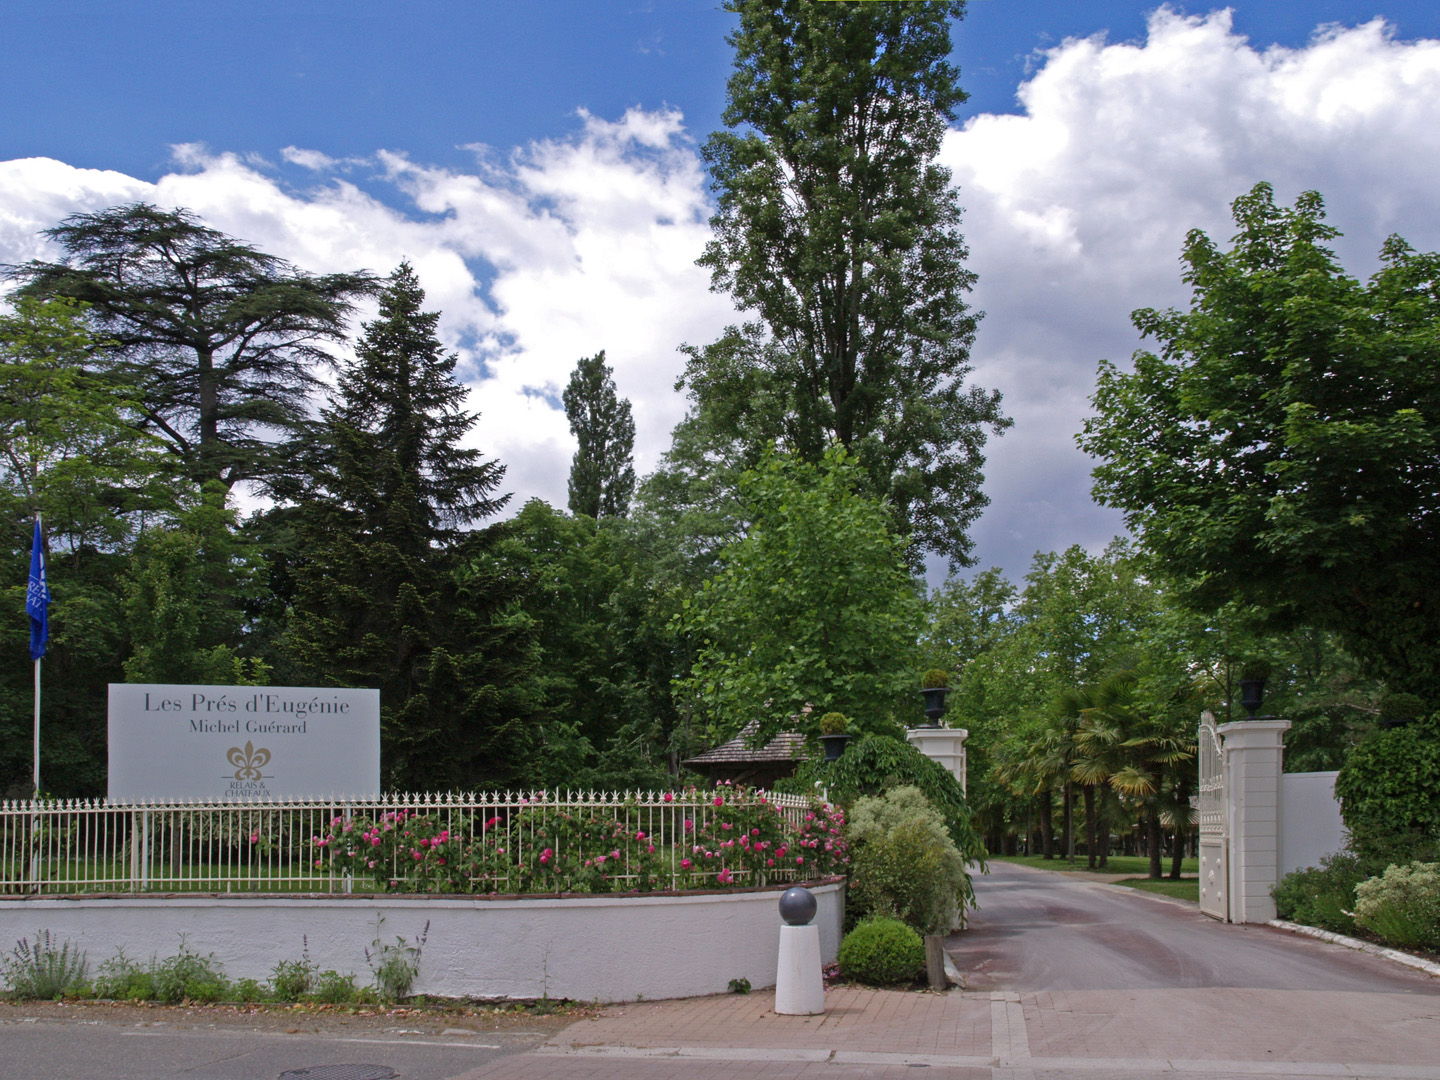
(1180, 890)
(1117, 864)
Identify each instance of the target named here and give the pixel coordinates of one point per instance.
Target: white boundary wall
(605, 948)
(1310, 825)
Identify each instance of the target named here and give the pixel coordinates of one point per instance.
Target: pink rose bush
(734, 837)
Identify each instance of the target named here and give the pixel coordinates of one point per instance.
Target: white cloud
(1077, 210)
(566, 248)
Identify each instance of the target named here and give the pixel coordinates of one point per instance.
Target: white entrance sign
(170, 742)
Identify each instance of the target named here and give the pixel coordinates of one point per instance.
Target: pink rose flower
(685, 864)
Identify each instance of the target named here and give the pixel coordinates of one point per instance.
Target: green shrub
(290, 980)
(874, 764)
(882, 952)
(188, 975)
(249, 991)
(1322, 896)
(935, 679)
(332, 988)
(834, 723)
(185, 976)
(41, 972)
(1402, 905)
(395, 967)
(904, 864)
(123, 979)
(1389, 790)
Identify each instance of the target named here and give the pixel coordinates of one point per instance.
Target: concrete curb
(1428, 967)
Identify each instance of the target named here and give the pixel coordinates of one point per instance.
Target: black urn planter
(834, 745)
(935, 703)
(1252, 693)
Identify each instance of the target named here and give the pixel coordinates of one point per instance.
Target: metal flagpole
(37, 601)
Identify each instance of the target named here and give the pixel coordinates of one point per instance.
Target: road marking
(1009, 1042)
(317, 1036)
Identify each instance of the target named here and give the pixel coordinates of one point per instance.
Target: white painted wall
(1310, 825)
(584, 948)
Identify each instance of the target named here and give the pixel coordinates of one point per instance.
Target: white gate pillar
(942, 744)
(1253, 753)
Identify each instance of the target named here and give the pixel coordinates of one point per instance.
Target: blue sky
(537, 163)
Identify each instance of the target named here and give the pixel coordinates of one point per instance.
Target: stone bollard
(799, 982)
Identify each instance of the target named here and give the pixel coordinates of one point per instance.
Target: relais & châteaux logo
(248, 763)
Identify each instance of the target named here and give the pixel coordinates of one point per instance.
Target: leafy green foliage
(1402, 905)
(1281, 450)
(836, 229)
(813, 608)
(397, 966)
(834, 723)
(882, 952)
(219, 342)
(601, 606)
(1389, 791)
(905, 865)
(187, 975)
(602, 476)
(874, 765)
(40, 971)
(1322, 896)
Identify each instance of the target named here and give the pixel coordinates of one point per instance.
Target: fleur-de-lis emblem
(248, 762)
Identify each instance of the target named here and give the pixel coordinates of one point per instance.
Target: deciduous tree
(602, 473)
(839, 234)
(1283, 449)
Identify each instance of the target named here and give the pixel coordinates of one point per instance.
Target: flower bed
(733, 838)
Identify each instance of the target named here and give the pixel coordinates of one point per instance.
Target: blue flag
(37, 599)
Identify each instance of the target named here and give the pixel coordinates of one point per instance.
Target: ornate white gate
(1214, 823)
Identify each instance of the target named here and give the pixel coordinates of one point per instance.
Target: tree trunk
(1103, 828)
(1152, 838)
(1069, 823)
(1177, 857)
(1089, 826)
(1047, 824)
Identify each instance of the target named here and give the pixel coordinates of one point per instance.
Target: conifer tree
(218, 341)
(393, 588)
(602, 476)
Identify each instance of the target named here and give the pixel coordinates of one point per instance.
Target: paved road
(91, 1046)
(1038, 930)
(1067, 980)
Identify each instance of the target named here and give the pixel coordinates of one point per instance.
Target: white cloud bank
(561, 250)
(1076, 213)
(1077, 210)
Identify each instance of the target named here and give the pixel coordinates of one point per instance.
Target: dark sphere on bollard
(797, 906)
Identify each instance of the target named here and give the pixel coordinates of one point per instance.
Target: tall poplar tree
(392, 587)
(839, 234)
(602, 476)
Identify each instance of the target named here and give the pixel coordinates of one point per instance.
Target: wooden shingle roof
(787, 746)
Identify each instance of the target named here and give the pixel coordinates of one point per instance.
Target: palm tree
(1142, 750)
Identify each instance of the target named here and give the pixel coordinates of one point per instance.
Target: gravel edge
(1395, 955)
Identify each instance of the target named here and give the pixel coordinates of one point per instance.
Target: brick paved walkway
(1215, 1034)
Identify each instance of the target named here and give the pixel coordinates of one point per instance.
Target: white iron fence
(495, 843)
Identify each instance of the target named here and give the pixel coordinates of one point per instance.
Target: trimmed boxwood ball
(882, 952)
